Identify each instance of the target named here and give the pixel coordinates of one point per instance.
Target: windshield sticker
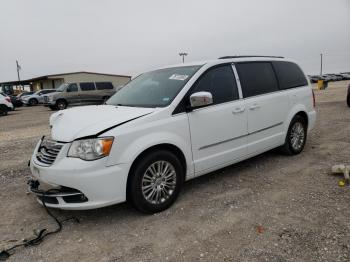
(178, 77)
(166, 99)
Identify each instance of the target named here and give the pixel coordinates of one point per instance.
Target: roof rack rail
(245, 56)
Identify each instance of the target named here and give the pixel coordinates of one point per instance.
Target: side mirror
(201, 99)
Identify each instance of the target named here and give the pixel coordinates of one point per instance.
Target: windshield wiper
(125, 105)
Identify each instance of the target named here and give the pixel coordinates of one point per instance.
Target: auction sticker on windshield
(178, 77)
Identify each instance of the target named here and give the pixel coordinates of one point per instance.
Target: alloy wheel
(297, 136)
(159, 182)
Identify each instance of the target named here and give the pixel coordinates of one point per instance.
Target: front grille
(48, 151)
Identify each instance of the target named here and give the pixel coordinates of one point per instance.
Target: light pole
(18, 68)
(321, 64)
(183, 54)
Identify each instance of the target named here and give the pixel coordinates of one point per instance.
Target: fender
(296, 109)
(132, 140)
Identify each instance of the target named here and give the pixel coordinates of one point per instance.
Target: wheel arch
(61, 99)
(304, 115)
(33, 98)
(297, 110)
(164, 146)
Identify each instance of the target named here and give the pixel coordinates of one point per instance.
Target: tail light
(8, 99)
(313, 98)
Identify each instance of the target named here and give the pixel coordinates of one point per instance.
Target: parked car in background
(26, 93)
(346, 76)
(16, 102)
(36, 98)
(79, 93)
(314, 78)
(5, 105)
(171, 125)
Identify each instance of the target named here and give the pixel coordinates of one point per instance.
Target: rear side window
(104, 85)
(257, 78)
(220, 82)
(289, 74)
(87, 86)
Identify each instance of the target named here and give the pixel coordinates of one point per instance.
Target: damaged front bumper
(56, 195)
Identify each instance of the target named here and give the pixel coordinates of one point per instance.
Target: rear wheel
(3, 110)
(348, 100)
(33, 102)
(296, 136)
(155, 181)
(61, 104)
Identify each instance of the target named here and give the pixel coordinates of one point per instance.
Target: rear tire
(348, 100)
(61, 104)
(296, 136)
(155, 181)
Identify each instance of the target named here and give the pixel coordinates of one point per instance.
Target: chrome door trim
(238, 137)
(238, 83)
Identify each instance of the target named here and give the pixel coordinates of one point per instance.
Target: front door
(72, 94)
(218, 131)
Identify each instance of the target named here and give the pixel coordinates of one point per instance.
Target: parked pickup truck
(79, 93)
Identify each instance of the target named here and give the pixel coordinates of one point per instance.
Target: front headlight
(91, 149)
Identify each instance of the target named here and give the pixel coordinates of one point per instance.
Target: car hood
(70, 124)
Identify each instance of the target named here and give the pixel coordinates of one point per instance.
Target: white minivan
(168, 126)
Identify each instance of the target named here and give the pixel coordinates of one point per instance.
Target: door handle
(238, 110)
(254, 106)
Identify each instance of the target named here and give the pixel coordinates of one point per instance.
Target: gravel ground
(269, 208)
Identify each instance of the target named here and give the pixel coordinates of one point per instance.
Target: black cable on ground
(5, 254)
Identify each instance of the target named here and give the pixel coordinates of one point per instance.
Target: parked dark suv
(79, 93)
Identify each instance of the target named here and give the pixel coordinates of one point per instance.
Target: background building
(54, 81)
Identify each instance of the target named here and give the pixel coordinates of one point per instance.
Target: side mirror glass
(201, 99)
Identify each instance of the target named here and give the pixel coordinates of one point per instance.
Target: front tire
(61, 104)
(33, 102)
(155, 181)
(296, 136)
(348, 100)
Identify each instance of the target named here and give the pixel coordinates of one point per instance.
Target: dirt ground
(269, 208)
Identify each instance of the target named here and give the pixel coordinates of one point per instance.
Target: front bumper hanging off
(56, 195)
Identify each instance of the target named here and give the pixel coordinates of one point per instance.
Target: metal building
(54, 81)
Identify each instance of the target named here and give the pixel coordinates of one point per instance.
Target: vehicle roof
(232, 59)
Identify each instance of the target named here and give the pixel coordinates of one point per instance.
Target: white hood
(70, 124)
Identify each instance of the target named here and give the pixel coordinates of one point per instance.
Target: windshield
(61, 88)
(154, 89)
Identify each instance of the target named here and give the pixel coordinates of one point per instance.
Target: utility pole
(18, 68)
(183, 54)
(321, 64)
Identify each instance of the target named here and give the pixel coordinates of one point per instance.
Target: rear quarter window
(289, 74)
(104, 85)
(88, 86)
